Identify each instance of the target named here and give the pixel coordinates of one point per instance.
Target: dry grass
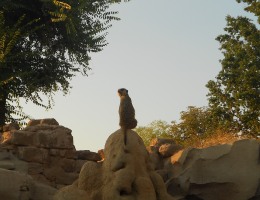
(215, 139)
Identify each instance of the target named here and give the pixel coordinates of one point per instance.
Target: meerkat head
(122, 92)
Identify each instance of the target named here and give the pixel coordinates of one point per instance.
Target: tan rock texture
(38, 160)
(19, 186)
(125, 174)
(223, 172)
(161, 148)
(43, 150)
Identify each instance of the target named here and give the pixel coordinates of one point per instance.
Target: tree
(43, 44)
(234, 96)
(157, 128)
(196, 122)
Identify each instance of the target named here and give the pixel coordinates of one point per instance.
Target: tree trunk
(3, 98)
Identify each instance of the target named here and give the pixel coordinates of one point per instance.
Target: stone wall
(45, 151)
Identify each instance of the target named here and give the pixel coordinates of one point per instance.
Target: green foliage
(155, 129)
(44, 43)
(9, 36)
(196, 122)
(253, 7)
(235, 94)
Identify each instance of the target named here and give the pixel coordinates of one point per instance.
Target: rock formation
(42, 157)
(15, 185)
(125, 174)
(41, 160)
(222, 172)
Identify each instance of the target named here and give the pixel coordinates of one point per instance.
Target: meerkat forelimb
(126, 113)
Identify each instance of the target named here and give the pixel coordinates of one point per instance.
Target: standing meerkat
(126, 112)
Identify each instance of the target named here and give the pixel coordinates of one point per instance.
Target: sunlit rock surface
(38, 159)
(125, 174)
(222, 172)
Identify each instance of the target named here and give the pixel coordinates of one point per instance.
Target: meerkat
(126, 112)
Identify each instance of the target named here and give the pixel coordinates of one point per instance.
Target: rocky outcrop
(223, 172)
(159, 150)
(126, 173)
(20, 186)
(41, 159)
(41, 153)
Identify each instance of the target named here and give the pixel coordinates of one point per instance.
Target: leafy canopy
(195, 123)
(157, 128)
(43, 44)
(234, 96)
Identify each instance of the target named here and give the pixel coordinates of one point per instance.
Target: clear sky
(163, 51)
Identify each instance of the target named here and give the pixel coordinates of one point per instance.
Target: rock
(152, 149)
(79, 165)
(72, 193)
(64, 153)
(34, 122)
(45, 151)
(88, 155)
(167, 150)
(4, 155)
(161, 148)
(88, 181)
(226, 172)
(163, 173)
(11, 127)
(15, 185)
(21, 186)
(68, 165)
(157, 142)
(50, 121)
(126, 173)
(35, 168)
(101, 154)
(40, 178)
(5, 136)
(156, 160)
(6, 164)
(59, 176)
(45, 136)
(18, 138)
(42, 192)
(11, 162)
(33, 154)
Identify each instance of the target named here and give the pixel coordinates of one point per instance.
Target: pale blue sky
(163, 51)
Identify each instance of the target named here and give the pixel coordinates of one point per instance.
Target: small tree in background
(195, 123)
(234, 97)
(157, 128)
(197, 128)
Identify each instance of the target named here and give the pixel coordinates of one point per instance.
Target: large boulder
(125, 174)
(226, 172)
(15, 185)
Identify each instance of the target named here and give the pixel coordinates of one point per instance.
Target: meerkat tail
(125, 135)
